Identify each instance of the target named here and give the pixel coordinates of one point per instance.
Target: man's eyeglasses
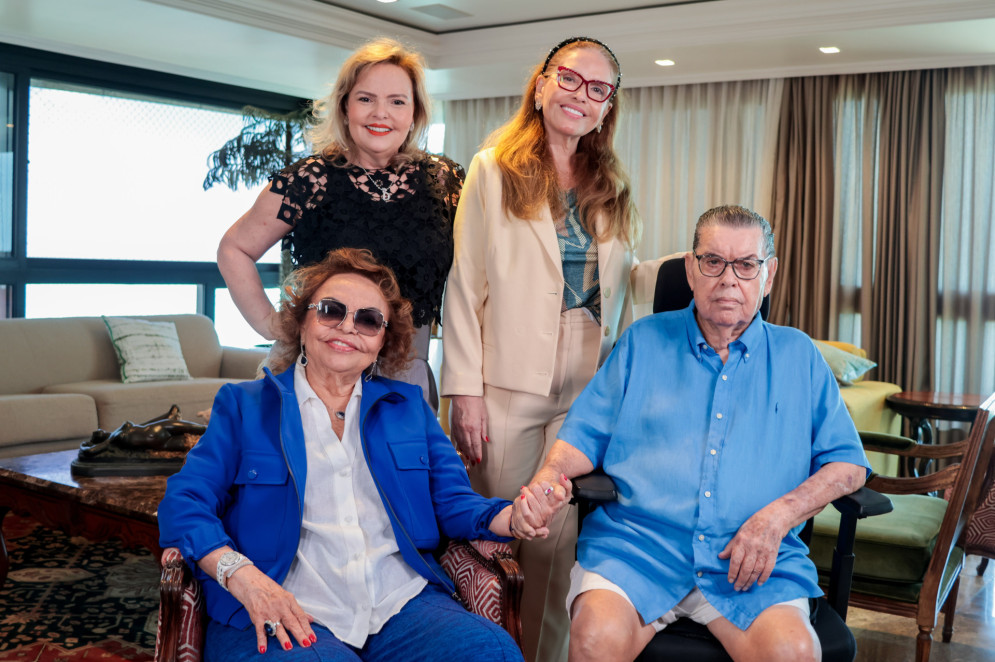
(570, 80)
(332, 312)
(745, 268)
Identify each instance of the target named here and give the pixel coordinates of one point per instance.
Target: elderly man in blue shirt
(723, 434)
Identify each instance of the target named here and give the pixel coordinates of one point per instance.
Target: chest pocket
(262, 500)
(411, 460)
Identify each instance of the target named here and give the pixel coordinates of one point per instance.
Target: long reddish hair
(529, 175)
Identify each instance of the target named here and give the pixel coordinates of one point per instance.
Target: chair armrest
(885, 443)
(594, 487)
(239, 363)
(865, 502)
(181, 611)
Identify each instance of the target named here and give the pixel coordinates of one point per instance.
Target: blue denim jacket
(243, 482)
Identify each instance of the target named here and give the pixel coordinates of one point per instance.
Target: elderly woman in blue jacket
(312, 504)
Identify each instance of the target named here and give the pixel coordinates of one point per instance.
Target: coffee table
(98, 509)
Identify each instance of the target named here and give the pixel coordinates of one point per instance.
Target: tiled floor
(886, 638)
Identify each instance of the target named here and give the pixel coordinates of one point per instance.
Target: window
(131, 168)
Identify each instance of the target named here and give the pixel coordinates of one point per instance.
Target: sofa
(61, 380)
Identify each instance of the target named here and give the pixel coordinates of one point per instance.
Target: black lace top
(403, 216)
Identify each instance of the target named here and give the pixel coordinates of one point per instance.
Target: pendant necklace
(384, 192)
(340, 415)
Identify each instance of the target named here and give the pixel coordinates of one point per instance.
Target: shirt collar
(750, 338)
(304, 392)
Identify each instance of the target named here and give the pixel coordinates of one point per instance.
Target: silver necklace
(384, 192)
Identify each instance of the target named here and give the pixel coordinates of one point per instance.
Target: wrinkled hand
(537, 505)
(752, 552)
(265, 600)
(468, 424)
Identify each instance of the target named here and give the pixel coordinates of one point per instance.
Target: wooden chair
(908, 562)
(980, 536)
(687, 640)
(488, 579)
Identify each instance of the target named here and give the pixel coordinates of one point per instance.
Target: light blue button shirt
(696, 447)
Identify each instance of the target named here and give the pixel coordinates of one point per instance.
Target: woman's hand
(468, 423)
(537, 506)
(265, 600)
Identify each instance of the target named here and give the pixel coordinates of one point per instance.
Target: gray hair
(737, 217)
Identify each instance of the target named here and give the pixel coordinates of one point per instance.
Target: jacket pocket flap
(262, 469)
(409, 454)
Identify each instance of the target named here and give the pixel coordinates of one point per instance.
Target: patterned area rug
(68, 599)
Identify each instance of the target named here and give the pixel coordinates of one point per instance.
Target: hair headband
(573, 40)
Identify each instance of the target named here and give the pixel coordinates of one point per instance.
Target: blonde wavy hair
(301, 285)
(529, 175)
(329, 136)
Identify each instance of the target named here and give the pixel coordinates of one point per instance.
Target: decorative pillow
(847, 367)
(147, 351)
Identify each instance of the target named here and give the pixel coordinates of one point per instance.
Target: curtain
(688, 148)
(470, 121)
(802, 208)
(965, 327)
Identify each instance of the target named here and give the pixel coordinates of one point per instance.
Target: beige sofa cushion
(117, 402)
(31, 418)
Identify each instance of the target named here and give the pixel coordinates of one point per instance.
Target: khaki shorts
(693, 606)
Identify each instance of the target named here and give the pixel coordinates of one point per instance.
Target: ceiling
(483, 48)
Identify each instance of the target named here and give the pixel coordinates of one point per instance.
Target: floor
(886, 638)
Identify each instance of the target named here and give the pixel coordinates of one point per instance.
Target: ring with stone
(548, 491)
(270, 627)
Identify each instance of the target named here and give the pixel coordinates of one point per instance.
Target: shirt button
(747, 355)
(708, 494)
(725, 378)
(718, 416)
(712, 451)
(355, 557)
(608, 330)
(344, 472)
(348, 519)
(252, 474)
(701, 537)
(699, 573)
(608, 292)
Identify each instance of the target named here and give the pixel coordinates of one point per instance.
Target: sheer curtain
(691, 147)
(470, 121)
(965, 327)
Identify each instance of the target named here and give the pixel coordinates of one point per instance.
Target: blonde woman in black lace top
(367, 185)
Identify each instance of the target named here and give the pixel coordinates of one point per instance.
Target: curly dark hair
(301, 285)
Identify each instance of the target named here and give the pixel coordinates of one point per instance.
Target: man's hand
(468, 422)
(539, 503)
(752, 552)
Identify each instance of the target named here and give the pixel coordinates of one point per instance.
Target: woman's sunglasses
(332, 312)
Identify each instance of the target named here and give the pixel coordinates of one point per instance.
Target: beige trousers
(522, 428)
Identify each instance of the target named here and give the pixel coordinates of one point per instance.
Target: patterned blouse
(579, 255)
(404, 216)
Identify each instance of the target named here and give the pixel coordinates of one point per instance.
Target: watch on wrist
(228, 564)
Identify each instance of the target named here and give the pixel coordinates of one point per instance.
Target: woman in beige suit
(543, 255)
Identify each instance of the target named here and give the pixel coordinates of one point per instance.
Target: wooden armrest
(181, 611)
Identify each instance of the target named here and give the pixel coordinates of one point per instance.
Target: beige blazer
(501, 313)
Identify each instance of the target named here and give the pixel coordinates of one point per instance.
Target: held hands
(268, 603)
(752, 552)
(532, 512)
(468, 423)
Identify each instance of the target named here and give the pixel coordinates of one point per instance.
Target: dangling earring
(302, 359)
(538, 104)
(599, 127)
(373, 371)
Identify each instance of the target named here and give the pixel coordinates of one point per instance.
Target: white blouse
(348, 573)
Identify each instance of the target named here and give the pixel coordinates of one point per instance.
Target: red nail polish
(306, 643)
(262, 649)
(286, 646)
(479, 460)
(523, 497)
(313, 638)
(487, 439)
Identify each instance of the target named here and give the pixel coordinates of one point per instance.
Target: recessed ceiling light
(386, 1)
(665, 63)
(829, 49)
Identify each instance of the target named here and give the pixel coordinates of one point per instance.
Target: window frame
(18, 270)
